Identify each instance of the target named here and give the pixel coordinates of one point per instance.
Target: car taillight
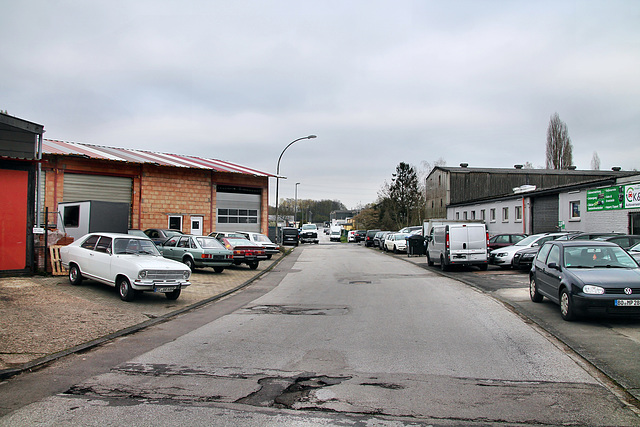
(446, 239)
(206, 256)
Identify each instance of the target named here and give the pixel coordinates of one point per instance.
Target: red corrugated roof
(129, 155)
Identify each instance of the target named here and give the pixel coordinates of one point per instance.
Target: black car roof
(581, 243)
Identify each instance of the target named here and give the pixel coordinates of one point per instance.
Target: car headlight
(142, 274)
(593, 290)
(186, 274)
(502, 254)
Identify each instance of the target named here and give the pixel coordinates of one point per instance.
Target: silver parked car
(127, 262)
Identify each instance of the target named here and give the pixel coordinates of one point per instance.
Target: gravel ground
(40, 316)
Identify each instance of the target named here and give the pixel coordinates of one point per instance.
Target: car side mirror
(554, 266)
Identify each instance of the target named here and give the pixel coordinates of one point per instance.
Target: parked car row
(143, 261)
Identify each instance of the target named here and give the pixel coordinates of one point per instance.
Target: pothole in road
(296, 310)
(285, 392)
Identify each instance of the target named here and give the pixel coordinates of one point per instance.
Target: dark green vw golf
(197, 252)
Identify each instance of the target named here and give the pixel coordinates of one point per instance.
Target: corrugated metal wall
(78, 187)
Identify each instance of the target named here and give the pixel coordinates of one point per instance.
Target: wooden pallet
(56, 266)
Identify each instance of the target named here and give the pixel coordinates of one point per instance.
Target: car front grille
(620, 291)
(166, 275)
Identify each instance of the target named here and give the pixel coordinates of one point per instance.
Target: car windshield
(309, 227)
(132, 246)
(597, 257)
(209, 243)
(261, 238)
(235, 241)
(528, 240)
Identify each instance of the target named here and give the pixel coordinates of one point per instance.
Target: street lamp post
(278, 180)
(295, 206)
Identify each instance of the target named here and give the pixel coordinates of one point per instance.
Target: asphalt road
(611, 344)
(339, 334)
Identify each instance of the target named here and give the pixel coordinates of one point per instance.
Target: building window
(473, 214)
(457, 215)
(237, 216)
(575, 210)
(483, 215)
(518, 213)
(175, 222)
(464, 215)
(492, 215)
(505, 214)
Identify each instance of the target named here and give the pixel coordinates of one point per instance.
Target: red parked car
(244, 251)
(504, 240)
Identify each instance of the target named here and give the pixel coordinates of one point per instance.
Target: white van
(458, 244)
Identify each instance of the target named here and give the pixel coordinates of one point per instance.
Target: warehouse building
(192, 194)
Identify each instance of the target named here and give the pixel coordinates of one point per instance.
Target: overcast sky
(379, 82)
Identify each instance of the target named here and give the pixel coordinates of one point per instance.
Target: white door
(196, 225)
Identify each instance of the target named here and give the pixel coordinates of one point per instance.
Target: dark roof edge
(21, 124)
(536, 171)
(542, 192)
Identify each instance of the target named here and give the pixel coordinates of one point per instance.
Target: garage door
(545, 214)
(238, 212)
(78, 187)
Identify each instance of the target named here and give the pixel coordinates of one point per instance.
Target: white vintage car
(130, 263)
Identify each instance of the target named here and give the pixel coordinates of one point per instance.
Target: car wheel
(443, 266)
(483, 267)
(429, 261)
(395, 250)
(75, 277)
(218, 269)
(533, 290)
(189, 263)
(125, 290)
(173, 295)
(566, 306)
(253, 265)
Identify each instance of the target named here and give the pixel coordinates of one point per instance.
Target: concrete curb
(41, 362)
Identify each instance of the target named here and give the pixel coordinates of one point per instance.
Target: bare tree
(595, 162)
(559, 149)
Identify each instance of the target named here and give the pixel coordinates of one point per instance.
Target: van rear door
(468, 243)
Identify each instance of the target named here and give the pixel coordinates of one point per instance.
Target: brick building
(192, 194)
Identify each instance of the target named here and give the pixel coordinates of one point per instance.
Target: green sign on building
(604, 199)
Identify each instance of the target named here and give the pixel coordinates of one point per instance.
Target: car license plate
(164, 288)
(627, 302)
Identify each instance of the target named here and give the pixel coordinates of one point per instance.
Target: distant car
(289, 236)
(503, 257)
(244, 251)
(503, 240)
(625, 241)
(270, 248)
(197, 252)
(396, 242)
(368, 240)
(161, 235)
(360, 235)
(586, 277)
(411, 230)
(309, 234)
(128, 262)
(378, 239)
(586, 236)
(335, 234)
(351, 236)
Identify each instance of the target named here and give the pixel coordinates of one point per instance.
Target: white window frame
(492, 214)
(172, 217)
(517, 213)
(505, 214)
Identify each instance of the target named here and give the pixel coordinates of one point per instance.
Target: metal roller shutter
(78, 187)
(545, 214)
